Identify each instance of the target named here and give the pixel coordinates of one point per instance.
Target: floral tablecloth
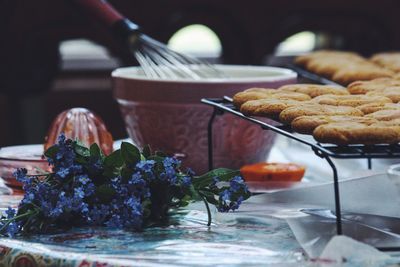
(187, 241)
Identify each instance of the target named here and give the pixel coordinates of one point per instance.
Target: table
(253, 236)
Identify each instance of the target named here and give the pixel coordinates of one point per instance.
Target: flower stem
(34, 212)
(208, 210)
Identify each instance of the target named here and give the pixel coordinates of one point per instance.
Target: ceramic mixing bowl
(168, 115)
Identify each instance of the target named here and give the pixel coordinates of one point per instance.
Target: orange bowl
(273, 172)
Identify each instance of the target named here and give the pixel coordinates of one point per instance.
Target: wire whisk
(155, 58)
(158, 61)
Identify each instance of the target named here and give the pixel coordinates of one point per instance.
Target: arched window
(197, 40)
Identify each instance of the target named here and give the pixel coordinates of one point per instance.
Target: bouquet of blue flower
(128, 189)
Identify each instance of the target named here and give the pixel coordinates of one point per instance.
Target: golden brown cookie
(267, 107)
(350, 100)
(389, 60)
(314, 90)
(360, 72)
(343, 133)
(373, 107)
(256, 94)
(363, 87)
(390, 92)
(307, 124)
(328, 66)
(251, 94)
(309, 109)
(385, 115)
(307, 58)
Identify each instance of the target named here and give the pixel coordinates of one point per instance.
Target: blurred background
(54, 57)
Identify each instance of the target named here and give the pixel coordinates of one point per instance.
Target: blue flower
(135, 205)
(137, 180)
(62, 172)
(171, 162)
(235, 205)
(56, 212)
(12, 229)
(90, 189)
(28, 197)
(83, 179)
(214, 181)
(115, 221)
(190, 172)
(79, 193)
(236, 183)
(186, 181)
(145, 165)
(84, 208)
(20, 175)
(10, 213)
(225, 195)
(61, 138)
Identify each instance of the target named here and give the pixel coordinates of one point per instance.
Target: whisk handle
(105, 12)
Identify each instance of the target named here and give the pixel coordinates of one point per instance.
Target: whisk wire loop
(158, 61)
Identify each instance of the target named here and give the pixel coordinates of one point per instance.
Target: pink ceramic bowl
(168, 115)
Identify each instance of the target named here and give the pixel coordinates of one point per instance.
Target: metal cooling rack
(325, 151)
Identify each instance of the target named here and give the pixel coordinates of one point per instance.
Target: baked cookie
(328, 66)
(257, 93)
(390, 92)
(360, 72)
(303, 60)
(385, 115)
(307, 124)
(270, 108)
(314, 90)
(251, 94)
(373, 107)
(363, 87)
(309, 109)
(350, 100)
(344, 133)
(389, 60)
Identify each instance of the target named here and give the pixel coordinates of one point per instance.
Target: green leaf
(114, 159)
(105, 193)
(110, 172)
(161, 154)
(210, 197)
(95, 151)
(157, 159)
(146, 151)
(81, 150)
(130, 154)
(126, 174)
(51, 152)
(223, 174)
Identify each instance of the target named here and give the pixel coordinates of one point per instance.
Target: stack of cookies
(347, 67)
(366, 112)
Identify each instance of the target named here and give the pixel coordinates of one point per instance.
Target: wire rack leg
(210, 140)
(337, 196)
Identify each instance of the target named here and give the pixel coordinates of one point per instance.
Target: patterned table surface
(187, 241)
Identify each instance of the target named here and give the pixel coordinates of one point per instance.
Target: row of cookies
(344, 67)
(380, 123)
(388, 60)
(308, 107)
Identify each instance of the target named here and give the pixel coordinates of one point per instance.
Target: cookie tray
(325, 151)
